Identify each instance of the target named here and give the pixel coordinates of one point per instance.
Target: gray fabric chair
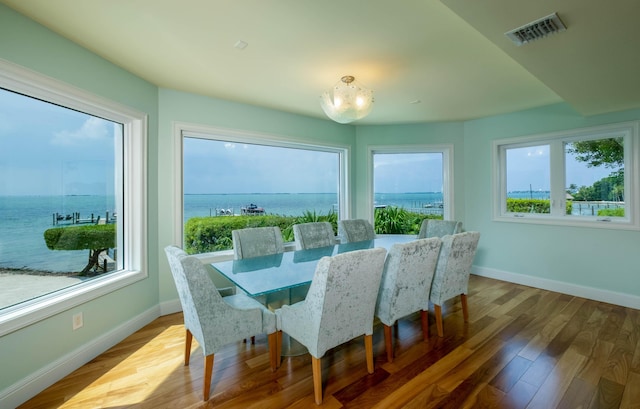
(213, 320)
(339, 307)
(257, 241)
(313, 235)
(452, 273)
(355, 230)
(406, 284)
(438, 228)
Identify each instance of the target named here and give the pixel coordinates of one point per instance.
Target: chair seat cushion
(244, 302)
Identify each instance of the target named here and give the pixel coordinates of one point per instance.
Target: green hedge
(532, 206)
(396, 220)
(207, 234)
(92, 236)
(618, 212)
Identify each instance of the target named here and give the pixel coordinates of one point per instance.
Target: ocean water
(295, 204)
(24, 219)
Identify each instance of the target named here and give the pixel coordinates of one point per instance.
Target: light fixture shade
(347, 101)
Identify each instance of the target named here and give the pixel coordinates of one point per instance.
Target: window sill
(589, 222)
(30, 312)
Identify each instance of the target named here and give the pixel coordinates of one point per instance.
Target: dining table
(291, 270)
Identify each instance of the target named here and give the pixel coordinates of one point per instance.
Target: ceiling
(426, 60)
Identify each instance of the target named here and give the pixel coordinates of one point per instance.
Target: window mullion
(557, 178)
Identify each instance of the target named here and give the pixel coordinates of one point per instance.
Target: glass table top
(267, 274)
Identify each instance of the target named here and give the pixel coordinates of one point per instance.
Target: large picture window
(71, 197)
(228, 174)
(581, 176)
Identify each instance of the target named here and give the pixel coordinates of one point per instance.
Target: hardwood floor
(523, 348)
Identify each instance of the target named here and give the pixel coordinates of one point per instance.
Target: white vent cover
(536, 29)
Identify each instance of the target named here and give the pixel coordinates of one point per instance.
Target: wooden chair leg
(368, 346)
(388, 341)
(208, 370)
(465, 307)
(438, 314)
(187, 347)
(279, 349)
(273, 351)
(316, 367)
(424, 317)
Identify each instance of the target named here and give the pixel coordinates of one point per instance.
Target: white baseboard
(170, 307)
(36, 382)
(597, 294)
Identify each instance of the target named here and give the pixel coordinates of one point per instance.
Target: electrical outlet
(78, 321)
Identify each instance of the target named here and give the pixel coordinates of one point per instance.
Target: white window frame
(447, 173)
(181, 129)
(556, 141)
(133, 231)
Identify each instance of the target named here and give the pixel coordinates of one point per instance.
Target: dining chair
(257, 241)
(406, 284)
(452, 273)
(313, 235)
(339, 307)
(215, 321)
(438, 228)
(351, 230)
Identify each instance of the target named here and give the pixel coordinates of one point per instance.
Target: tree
(599, 152)
(95, 237)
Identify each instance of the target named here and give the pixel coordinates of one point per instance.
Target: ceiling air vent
(536, 29)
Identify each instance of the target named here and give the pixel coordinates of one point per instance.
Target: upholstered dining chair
(215, 321)
(351, 230)
(257, 241)
(438, 228)
(313, 235)
(339, 307)
(452, 273)
(406, 284)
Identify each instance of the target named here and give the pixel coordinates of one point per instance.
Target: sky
(224, 167)
(49, 150)
(528, 167)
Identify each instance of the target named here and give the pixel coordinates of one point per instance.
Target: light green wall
(602, 259)
(26, 43)
(195, 109)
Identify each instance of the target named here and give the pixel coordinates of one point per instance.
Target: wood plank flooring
(522, 348)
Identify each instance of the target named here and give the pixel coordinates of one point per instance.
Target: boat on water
(251, 209)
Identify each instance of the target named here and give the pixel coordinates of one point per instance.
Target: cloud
(93, 129)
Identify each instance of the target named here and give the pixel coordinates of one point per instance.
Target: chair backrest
(355, 230)
(257, 241)
(213, 321)
(406, 280)
(341, 301)
(313, 235)
(454, 266)
(438, 228)
(198, 294)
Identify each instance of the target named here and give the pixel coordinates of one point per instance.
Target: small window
(573, 177)
(409, 183)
